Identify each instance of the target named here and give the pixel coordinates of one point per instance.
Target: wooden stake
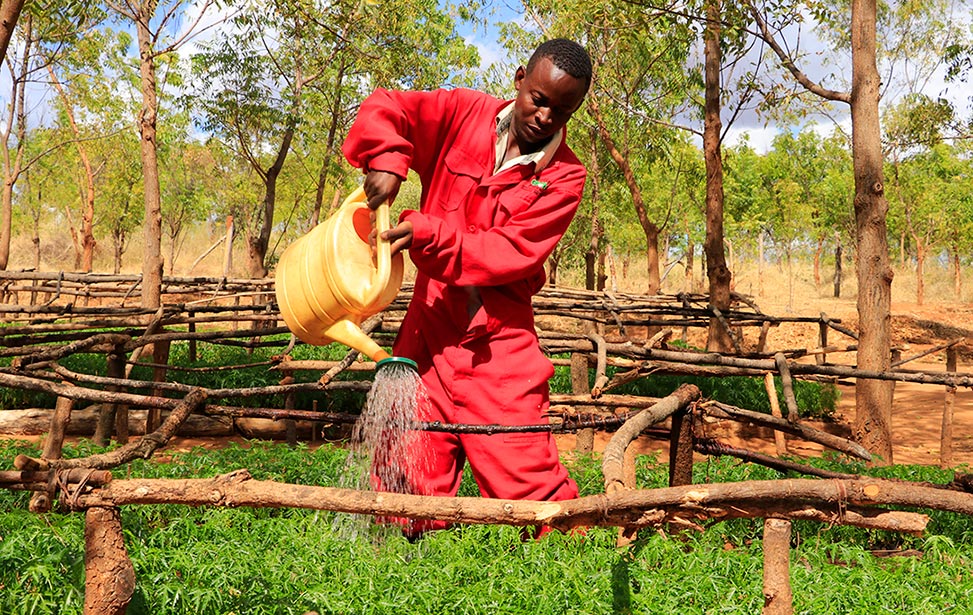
(681, 448)
(613, 458)
(40, 501)
(788, 384)
(823, 338)
(585, 441)
(780, 442)
(290, 425)
(946, 437)
(109, 577)
(160, 356)
(778, 599)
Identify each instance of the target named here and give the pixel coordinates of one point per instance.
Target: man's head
(549, 90)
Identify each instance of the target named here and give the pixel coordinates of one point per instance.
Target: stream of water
(384, 447)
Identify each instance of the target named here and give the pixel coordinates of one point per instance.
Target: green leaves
(209, 561)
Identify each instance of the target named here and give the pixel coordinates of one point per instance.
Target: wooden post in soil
(681, 448)
(618, 460)
(109, 577)
(612, 462)
(762, 338)
(192, 340)
(896, 360)
(290, 425)
(778, 599)
(106, 417)
(822, 358)
(780, 441)
(787, 383)
(40, 501)
(160, 356)
(585, 441)
(116, 369)
(946, 436)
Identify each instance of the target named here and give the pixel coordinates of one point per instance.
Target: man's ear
(519, 77)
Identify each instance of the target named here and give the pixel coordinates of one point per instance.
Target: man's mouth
(535, 132)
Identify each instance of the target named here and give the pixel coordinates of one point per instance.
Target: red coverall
(483, 230)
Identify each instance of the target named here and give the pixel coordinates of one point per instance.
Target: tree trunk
(73, 233)
(819, 249)
(9, 14)
(648, 227)
(336, 108)
(594, 243)
(152, 255)
(257, 246)
(88, 242)
(718, 338)
(36, 240)
(837, 266)
(760, 263)
(920, 271)
(6, 215)
(957, 276)
(552, 262)
(690, 264)
(873, 398)
(118, 249)
(902, 248)
(17, 120)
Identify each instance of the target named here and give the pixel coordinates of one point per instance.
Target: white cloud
(490, 52)
(759, 138)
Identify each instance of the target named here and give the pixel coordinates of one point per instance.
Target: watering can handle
(383, 256)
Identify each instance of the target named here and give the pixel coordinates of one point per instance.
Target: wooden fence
(51, 317)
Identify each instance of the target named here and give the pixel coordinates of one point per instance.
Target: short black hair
(567, 55)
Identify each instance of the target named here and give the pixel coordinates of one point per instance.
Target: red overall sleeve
(395, 131)
(515, 249)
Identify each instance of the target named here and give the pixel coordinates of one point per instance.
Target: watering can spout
(350, 334)
(329, 280)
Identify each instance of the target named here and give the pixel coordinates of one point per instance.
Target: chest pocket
(515, 200)
(459, 177)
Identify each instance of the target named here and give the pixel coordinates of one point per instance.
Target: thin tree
(719, 275)
(152, 20)
(9, 15)
(873, 398)
(13, 132)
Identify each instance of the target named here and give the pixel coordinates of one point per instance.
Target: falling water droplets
(385, 446)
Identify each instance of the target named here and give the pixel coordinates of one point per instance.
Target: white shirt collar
(541, 158)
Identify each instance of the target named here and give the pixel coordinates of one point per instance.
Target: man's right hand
(400, 236)
(381, 186)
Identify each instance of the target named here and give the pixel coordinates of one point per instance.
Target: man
(499, 189)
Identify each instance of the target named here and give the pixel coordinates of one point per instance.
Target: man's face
(546, 99)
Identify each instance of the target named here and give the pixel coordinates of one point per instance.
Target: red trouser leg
(501, 379)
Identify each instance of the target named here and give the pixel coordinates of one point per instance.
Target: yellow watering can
(329, 280)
